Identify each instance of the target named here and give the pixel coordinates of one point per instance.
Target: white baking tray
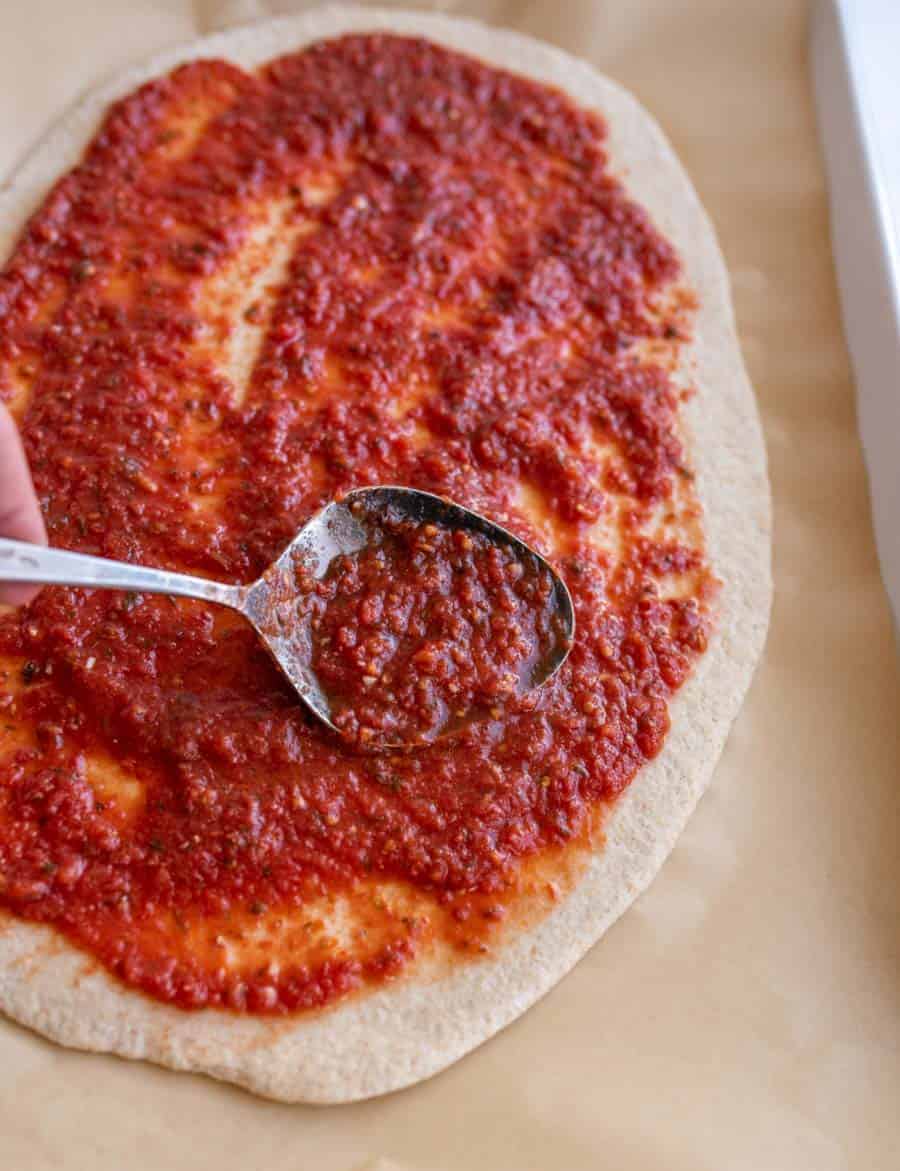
(855, 50)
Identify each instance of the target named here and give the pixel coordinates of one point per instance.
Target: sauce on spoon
(426, 627)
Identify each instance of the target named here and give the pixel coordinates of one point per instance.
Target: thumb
(20, 513)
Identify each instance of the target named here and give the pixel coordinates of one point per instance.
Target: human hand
(20, 513)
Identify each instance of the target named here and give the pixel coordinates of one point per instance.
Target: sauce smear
(374, 261)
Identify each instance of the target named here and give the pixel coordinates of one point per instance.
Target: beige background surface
(744, 1015)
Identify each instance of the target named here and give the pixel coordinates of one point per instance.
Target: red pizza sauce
(465, 308)
(426, 627)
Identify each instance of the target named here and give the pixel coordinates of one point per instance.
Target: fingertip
(17, 595)
(20, 513)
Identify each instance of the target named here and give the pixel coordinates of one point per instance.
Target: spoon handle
(40, 565)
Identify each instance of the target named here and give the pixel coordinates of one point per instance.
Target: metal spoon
(269, 604)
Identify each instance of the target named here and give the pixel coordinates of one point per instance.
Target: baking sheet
(853, 50)
(744, 1014)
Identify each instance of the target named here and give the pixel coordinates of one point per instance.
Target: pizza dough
(409, 1030)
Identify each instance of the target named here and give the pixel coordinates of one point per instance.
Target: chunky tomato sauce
(426, 627)
(465, 306)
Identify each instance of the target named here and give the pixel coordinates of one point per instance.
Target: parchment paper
(743, 1016)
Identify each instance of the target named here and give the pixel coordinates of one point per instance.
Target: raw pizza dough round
(410, 1030)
